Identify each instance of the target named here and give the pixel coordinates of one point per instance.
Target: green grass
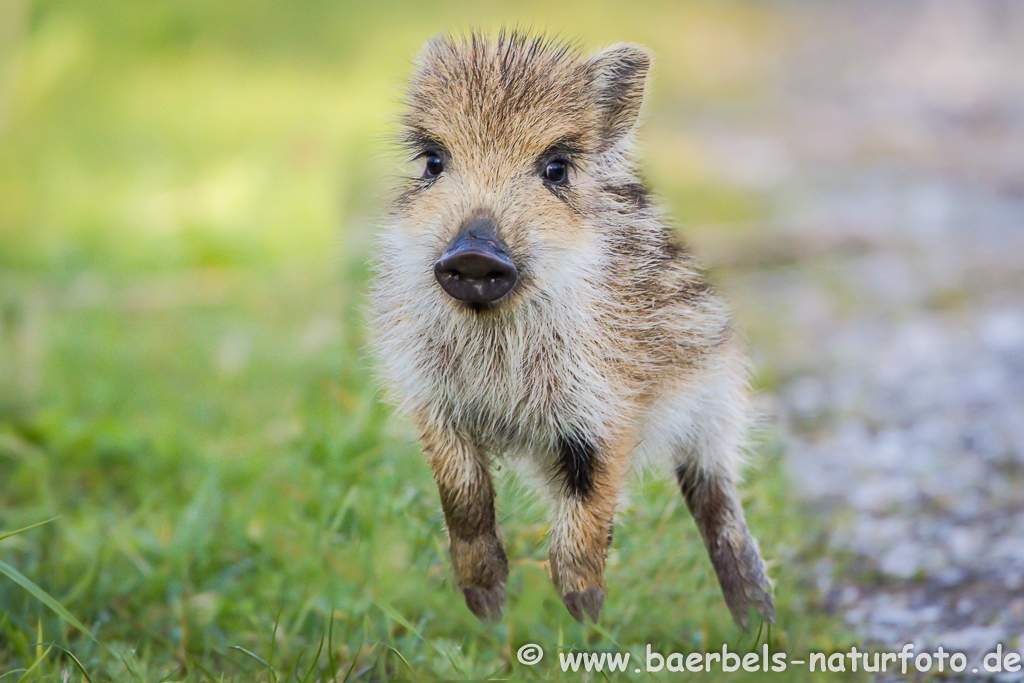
(194, 462)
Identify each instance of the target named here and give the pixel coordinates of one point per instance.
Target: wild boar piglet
(531, 302)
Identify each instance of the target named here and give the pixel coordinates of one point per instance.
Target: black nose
(476, 267)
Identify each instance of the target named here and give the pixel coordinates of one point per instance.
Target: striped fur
(612, 348)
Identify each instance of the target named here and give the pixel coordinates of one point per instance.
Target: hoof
(588, 602)
(486, 603)
(744, 582)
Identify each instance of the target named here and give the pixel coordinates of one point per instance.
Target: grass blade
(45, 598)
(254, 656)
(270, 669)
(355, 658)
(397, 616)
(23, 529)
(330, 639)
(73, 658)
(404, 661)
(316, 659)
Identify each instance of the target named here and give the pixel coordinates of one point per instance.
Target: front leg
(587, 483)
(467, 498)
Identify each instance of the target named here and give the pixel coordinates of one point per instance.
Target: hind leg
(714, 502)
(707, 463)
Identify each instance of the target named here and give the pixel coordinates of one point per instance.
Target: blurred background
(188, 195)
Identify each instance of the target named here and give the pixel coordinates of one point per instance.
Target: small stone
(902, 562)
(883, 494)
(1014, 612)
(968, 507)
(806, 396)
(973, 639)
(1003, 330)
(964, 606)
(869, 533)
(1011, 550)
(950, 577)
(883, 633)
(933, 561)
(895, 617)
(857, 615)
(964, 543)
(824, 571)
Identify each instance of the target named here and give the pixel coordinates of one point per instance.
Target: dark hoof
(758, 595)
(745, 583)
(762, 602)
(588, 602)
(486, 603)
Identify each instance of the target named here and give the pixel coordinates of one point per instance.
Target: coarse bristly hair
(611, 348)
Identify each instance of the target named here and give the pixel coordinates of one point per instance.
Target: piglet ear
(620, 74)
(432, 50)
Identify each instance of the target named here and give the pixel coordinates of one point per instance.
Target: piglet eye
(556, 171)
(434, 166)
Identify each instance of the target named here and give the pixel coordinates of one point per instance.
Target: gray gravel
(886, 303)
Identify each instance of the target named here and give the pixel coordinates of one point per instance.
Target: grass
(197, 478)
(227, 483)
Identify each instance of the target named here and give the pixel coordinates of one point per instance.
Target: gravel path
(894, 293)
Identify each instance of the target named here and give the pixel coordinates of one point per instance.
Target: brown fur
(611, 348)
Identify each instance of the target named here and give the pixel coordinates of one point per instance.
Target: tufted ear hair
(433, 48)
(620, 75)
